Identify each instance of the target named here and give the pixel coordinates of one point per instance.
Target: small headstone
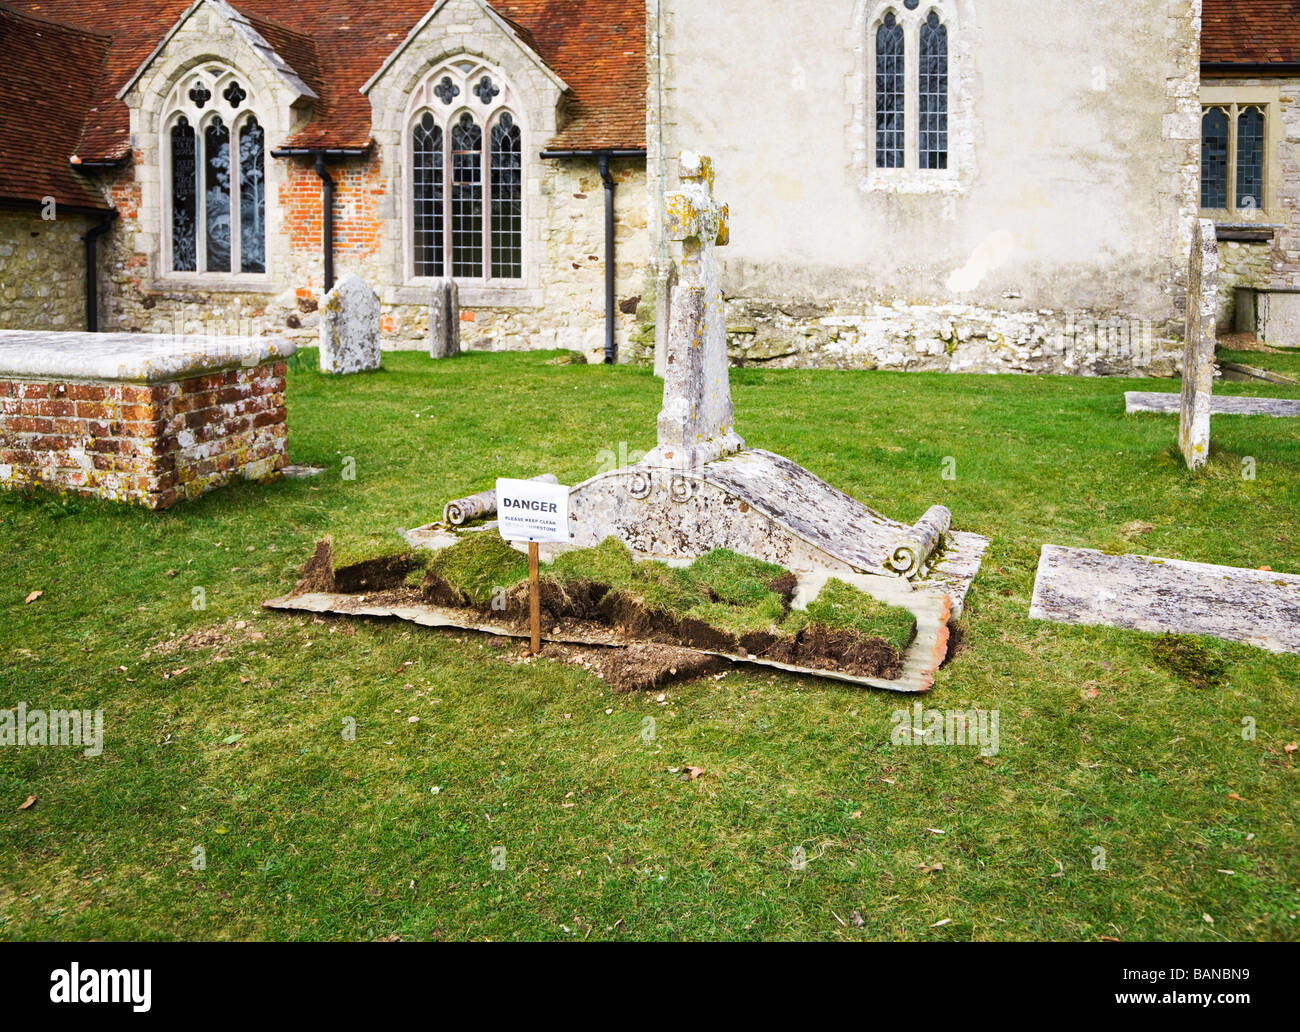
(696, 424)
(349, 327)
(663, 316)
(444, 320)
(1198, 346)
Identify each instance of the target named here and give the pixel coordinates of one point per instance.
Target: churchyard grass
(1285, 362)
(1126, 796)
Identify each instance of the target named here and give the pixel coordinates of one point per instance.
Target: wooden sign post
(534, 600)
(533, 511)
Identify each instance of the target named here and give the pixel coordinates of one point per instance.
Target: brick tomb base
(148, 419)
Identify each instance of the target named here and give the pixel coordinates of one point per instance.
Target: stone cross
(1198, 345)
(696, 424)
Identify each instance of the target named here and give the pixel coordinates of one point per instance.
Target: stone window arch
(913, 131)
(464, 148)
(213, 144)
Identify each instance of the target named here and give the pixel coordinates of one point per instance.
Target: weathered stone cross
(696, 424)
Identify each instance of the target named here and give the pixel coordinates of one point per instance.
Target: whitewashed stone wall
(1072, 200)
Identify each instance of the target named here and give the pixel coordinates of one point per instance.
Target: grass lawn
(1123, 799)
(1285, 362)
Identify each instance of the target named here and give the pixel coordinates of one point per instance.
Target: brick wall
(150, 444)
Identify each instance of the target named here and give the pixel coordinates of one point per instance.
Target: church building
(965, 185)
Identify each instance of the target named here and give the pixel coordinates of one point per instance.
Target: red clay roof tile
(596, 46)
(1258, 32)
(50, 76)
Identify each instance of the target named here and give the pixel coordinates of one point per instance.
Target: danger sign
(532, 510)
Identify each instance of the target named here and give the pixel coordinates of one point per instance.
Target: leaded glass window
(507, 200)
(889, 94)
(184, 209)
(252, 198)
(216, 152)
(217, 170)
(933, 94)
(426, 143)
(1214, 158)
(466, 197)
(1250, 158)
(467, 175)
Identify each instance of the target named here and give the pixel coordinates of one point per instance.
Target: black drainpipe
(327, 220)
(603, 157)
(92, 269)
(611, 352)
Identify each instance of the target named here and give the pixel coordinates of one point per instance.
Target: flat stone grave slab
(130, 357)
(1156, 401)
(1168, 596)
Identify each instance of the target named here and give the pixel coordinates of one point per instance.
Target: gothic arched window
(217, 193)
(467, 188)
(932, 93)
(890, 117)
(1214, 158)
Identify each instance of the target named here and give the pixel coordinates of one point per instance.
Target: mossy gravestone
(349, 327)
(1198, 346)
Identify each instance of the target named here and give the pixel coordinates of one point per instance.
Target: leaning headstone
(1168, 596)
(696, 424)
(663, 316)
(349, 327)
(444, 320)
(1198, 346)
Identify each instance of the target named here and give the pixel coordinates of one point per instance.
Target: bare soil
(658, 644)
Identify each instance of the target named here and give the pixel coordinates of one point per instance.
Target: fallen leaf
(1109, 938)
(32, 597)
(931, 868)
(232, 739)
(1234, 796)
(940, 924)
(1290, 747)
(694, 772)
(29, 803)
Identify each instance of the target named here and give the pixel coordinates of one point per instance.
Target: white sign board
(531, 510)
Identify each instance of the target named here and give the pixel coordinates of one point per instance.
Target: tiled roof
(49, 75)
(1253, 32)
(596, 46)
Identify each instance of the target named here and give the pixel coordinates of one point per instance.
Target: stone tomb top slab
(1168, 596)
(1220, 405)
(130, 357)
